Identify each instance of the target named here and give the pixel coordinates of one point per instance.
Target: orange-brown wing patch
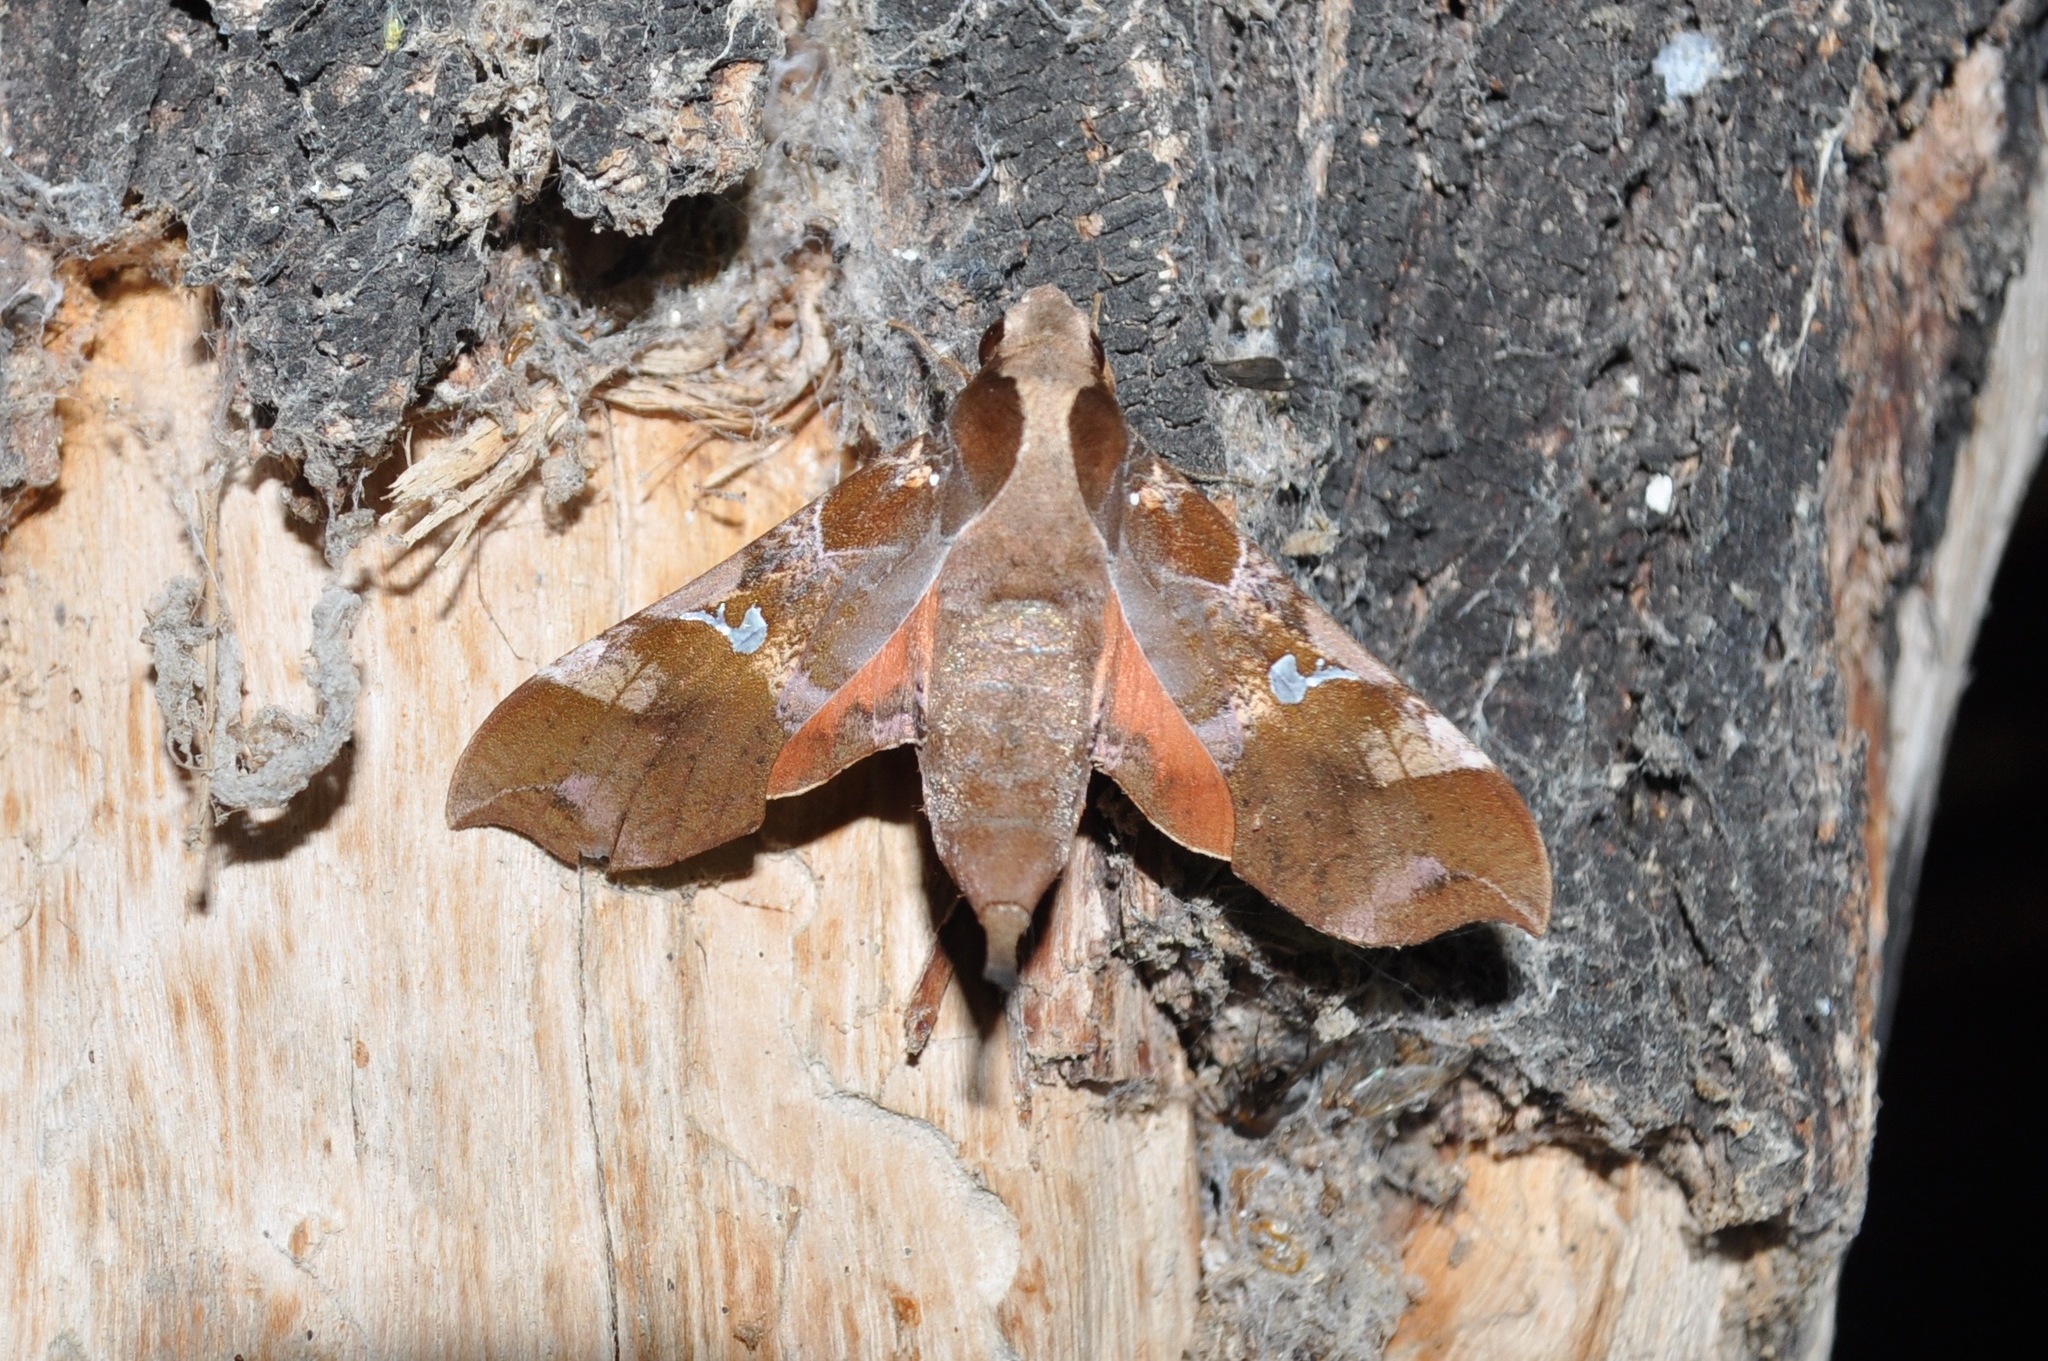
(875, 710)
(1145, 745)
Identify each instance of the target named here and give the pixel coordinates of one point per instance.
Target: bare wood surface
(1544, 1257)
(399, 1091)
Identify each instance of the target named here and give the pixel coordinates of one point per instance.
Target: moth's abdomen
(1007, 733)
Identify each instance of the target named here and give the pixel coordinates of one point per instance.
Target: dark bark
(1537, 370)
(338, 170)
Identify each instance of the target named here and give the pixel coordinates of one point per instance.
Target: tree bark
(1655, 404)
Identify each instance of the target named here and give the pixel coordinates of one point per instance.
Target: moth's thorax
(1045, 456)
(1034, 539)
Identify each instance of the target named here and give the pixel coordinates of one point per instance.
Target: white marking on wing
(1421, 744)
(1291, 687)
(580, 661)
(748, 637)
(603, 669)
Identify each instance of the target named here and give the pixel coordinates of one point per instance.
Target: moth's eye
(991, 338)
(1095, 344)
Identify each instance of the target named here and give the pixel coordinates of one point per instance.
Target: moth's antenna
(932, 351)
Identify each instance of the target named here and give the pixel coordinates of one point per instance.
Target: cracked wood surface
(402, 1092)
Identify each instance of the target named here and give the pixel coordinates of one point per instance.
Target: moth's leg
(923, 1012)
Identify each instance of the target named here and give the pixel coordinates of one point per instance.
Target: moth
(1026, 599)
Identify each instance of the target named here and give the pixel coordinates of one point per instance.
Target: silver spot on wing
(748, 637)
(1291, 687)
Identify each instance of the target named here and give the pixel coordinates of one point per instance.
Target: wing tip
(1436, 910)
(504, 811)
(1538, 881)
(464, 806)
(1521, 876)
(1503, 876)
(1419, 897)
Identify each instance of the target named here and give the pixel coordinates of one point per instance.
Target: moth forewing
(655, 741)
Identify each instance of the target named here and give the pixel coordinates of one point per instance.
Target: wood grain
(404, 1092)
(1542, 1257)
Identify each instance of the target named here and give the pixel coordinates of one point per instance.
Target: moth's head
(1045, 336)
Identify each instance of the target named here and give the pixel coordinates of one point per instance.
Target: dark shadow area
(1463, 970)
(246, 839)
(622, 275)
(1944, 1265)
(20, 503)
(884, 786)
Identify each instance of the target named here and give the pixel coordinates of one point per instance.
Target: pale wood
(401, 1091)
(1543, 1257)
(1939, 614)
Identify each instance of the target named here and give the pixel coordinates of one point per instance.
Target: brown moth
(1027, 601)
